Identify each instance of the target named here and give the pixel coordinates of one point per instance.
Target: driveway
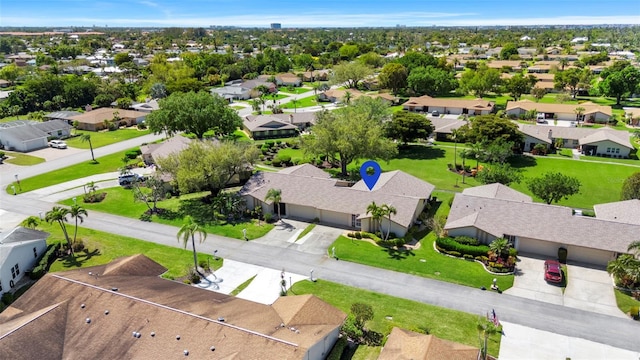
(590, 289)
(51, 154)
(315, 242)
(529, 282)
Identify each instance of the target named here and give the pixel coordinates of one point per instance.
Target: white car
(58, 144)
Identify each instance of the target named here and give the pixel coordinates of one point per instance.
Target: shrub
(284, 158)
(358, 235)
(634, 312)
(296, 161)
(7, 298)
(513, 252)
(278, 142)
(268, 162)
(269, 143)
(142, 126)
(276, 162)
(466, 240)
(145, 217)
(562, 255)
(449, 244)
(204, 264)
(78, 246)
(454, 253)
(468, 256)
(131, 154)
(268, 217)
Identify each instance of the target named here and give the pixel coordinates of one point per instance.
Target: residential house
(125, 310)
(278, 125)
(404, 344)
(538, 228)
(443, 127)
(514, 65)
(147, 106)
(592, 112)
(173, 145)
(20, 250)
(29, 135)
(309, 193)
(594, 142)
(253, 84)
(5, 94)
(286, 79)
(449, 106)
(231, 93)
(4, 83)
(316, 75)
(627, 211)
(633, 114)
(63, 115)
(98, 119)
(545, 81)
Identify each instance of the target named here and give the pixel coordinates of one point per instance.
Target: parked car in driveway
(552, 271)
(58, 144)
(128, 179)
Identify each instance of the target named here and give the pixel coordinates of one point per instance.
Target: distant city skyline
(329, 13)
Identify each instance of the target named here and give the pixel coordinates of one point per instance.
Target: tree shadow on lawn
(522, 161)
(420, 152)
(200, 210)
(79, 258)
(398, 254)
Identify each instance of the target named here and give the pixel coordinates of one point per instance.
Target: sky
(304, 13)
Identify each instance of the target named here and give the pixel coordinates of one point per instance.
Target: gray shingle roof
(497, 191)
(20, 233)
(620, 211)
(539, 221)
(62, 114)
(267, 122)
(24, 133)
(303, 186)
(541, 132)
(294, 118)
(606, 135)
(52, 125)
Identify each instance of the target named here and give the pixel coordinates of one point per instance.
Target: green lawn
(119, 201)
(103, 247)
(21, 159)
(242, 286)
(237, 107)
(295, 90)
(392, 312)
(105, 164)
(306, 231)
(277, 97)
(625, 302)
(103, 138)
(12, 118)
(302, 103)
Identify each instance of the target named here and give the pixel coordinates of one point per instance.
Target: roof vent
(90, 273)
(177, 337)
(281, 324)
(213, 348)
(114, 289)
(153, 334)
(82, 306)
(186, 353)
(221, 319)
(138, 335)
(88, 320)
(106, 312)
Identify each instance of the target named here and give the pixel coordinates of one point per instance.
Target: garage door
(336, 218)
(589, 256)
(302, 212)
(538, 247)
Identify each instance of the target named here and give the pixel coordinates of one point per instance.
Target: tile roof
(100, 115)
(627, 212)
(528, 105)
(408, 345)
(497, 191)
(477, 104)
(121, 303)
(539, 221)
(305, 186)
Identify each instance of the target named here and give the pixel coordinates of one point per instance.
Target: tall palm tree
(635, 247)
(295, 104)
(388, 210)
(187, 231)
(90, 186)
(31, 222)
(275, 195)
(59, 214)
(87, 138)
(77, 212)
(579, 113)
(376, 214)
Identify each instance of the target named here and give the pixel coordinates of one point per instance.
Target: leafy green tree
(77, 212)
(206, 165)
(500, 246)
(431, 81)
(153, 191)
(489, 128)
(538, 93)
(393, 76)
(371, 59)
(408, 126)
(348, 52)
(347, 136)
(520, 84)
(275, 196)
(572, 80)
(31, 222)
(58, 215)
(194, 113)
(508, 51)
(480, 81)
(620, 83)
(631, 187)
(497, 151)
(553, 187)
(350, 73)
(499, 173)
(187, 232)
(412, 60)
(362, 313)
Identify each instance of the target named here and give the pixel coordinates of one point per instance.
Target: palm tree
(59, 214)
(187, 231)
(579, 113)
(87, 138)
(500, 246)
(388, 210)
(486, 328)
(623, 270)
(295, 104)
(635, 247)
(563, 62)
(376, 214)
(275, 195)
(347, 97)
(31, 222)
(76, 213)
(91, 187)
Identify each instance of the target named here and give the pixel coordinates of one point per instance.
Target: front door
(283, 209)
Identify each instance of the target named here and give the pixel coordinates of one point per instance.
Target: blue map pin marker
(370, 179)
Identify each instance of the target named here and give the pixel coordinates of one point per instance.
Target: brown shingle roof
(477, 104)
(98, 116)
(528, 105)
(146, 304)
(408, 345)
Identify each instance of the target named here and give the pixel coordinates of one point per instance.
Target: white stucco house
(567, 112)
(496, 211)
(449, 106)
(29, 135)
(20, 250)
(309, 193)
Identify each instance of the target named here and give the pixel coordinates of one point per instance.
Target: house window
(355, 222)
(510, 238)
(608, 150)
(0, 286)
(617, 150)
(17, 269)
(35, 253)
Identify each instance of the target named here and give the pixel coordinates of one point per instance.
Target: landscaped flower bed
(470, 248)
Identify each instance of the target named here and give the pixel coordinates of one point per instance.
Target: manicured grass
(277, 97)
(295, 90)
(102, 248)
(240, 135)
(302, 103)
(306, 231)
(119, 201)
(441, 322)
(237, 107)
(22, 159)
(424, 261)
(104, 164)
(103, 138)
(242, 286)
(625, 302)
(12, 118)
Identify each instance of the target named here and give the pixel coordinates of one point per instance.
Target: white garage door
(590, 256)
(538, 247)
(332, 217)
(303, 212)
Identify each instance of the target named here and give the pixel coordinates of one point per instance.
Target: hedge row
(449, 244)
(46, 260)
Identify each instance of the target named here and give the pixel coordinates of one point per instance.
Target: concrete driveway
(590, 289)
(315, 242)
(529, 282)
(51, 154)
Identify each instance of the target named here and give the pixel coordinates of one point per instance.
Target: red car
(552, 271)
